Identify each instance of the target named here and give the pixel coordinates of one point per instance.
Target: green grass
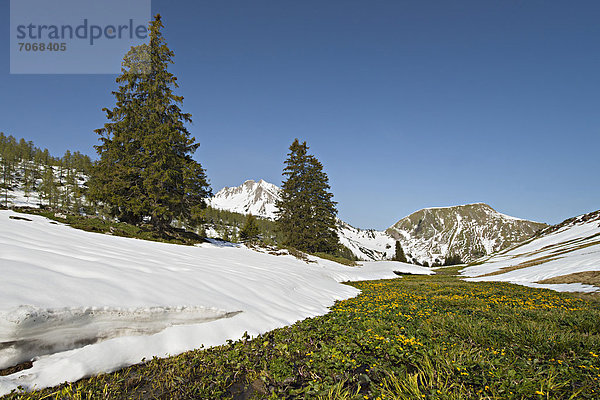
(337, 259)
(302, 256)
(419, 337)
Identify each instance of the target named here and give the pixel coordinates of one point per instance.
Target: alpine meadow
(346, 229)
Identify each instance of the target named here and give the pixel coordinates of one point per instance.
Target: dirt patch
(16, 368)
(586, 277)
(404, 273)
(20, 218)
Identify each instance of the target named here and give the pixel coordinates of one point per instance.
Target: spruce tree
(226, 234)
(399, 255)
(146, 170)
(28, 180)
(48, 188)
(7, 182)
(306, 212)
(8, 163)
(250, 230)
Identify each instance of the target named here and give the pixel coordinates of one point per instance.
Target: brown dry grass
(526, 264)
(579, 247)
(559, 248)
(555, 255)
(586, 277)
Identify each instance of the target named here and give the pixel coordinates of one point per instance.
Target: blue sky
(408, 104)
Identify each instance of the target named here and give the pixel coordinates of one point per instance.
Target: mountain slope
(429, 235)
(560, 257)
(256, 198)
(366, 244)
(470, 231)
(259, 198)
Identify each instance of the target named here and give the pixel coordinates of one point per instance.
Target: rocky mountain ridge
(428, 236)
(469, 231)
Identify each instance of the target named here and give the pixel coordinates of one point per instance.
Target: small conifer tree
(48, 188)
(28, 181)
(250, 230)
(399, 254)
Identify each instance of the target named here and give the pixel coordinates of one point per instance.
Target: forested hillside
(32, 177)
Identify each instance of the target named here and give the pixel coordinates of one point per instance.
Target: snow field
(571, 249)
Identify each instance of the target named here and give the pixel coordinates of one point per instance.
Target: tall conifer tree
(306, 212)
(145, 168)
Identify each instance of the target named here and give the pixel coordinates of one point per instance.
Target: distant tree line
(46, 181)
(452, 259)
(229, 224)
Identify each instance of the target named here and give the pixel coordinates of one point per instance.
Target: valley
(340, 200)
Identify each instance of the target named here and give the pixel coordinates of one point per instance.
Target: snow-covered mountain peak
(428, 235)
(251, 197)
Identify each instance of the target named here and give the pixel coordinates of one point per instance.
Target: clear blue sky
(408, 104)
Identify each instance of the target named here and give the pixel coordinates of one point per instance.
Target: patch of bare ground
(526, 264)
(558, 248)
(586, 277)
(560, 245)
(16, 368)
(541, 260)
(572, 249)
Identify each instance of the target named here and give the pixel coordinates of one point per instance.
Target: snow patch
(27, 332)
(571, 249)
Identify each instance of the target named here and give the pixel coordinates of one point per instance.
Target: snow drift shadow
(222, 243)
(29, 332)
